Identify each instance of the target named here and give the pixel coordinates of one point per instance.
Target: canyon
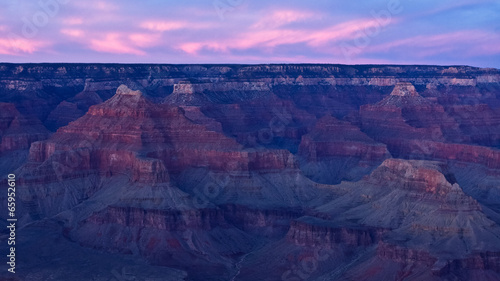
(252, 172)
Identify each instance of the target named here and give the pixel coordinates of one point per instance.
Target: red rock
(405, 115)
(489, 157)
(127, 125)
(332, 138)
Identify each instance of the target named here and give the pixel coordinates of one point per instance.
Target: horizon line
(244, 64)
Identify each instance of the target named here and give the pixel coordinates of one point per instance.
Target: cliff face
(261, 172)
(333, 149)
(416, 127)
(317, 235)
(18, 132)
(130, 135)
(45, 86)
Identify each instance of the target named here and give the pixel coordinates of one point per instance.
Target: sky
(444, 32)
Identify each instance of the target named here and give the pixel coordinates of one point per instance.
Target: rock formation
(253, 172)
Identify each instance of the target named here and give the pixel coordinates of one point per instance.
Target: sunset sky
(449, 32)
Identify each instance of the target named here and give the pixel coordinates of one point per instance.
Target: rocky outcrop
(422, 210)
(405, 256)
(405, 96)
(416, 128)
(128, 135)
(319, 234)
(404, 89)
(116, 131)
(149, 171)
(406, 114)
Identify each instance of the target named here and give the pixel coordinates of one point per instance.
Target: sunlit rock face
(404, 89)
(254, 172)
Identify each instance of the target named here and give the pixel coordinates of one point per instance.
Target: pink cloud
(192, 48)
(17, 46)
(347, 31)
(144, 40)
(115, 43)
(163, 25)
(118, 42)
(73, 32)
(273, 37)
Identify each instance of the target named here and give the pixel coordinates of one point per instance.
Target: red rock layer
(479, 123)
(162, 220)
(417, 128)
(332, 138)
(128, 131)
(422, 149)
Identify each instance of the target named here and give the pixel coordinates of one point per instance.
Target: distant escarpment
(41, 89)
